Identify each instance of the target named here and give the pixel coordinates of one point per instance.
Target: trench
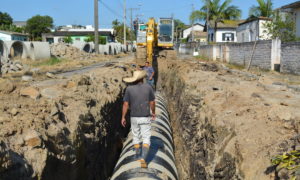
(198, 142)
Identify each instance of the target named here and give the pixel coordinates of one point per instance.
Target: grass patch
(203, 58)
(235, 66)
(49, 62)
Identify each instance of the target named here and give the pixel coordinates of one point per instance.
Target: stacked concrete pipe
(18, 48)
(83, 46)
(38, 50)
(161, 160)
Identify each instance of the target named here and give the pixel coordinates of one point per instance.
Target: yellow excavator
(152, 37)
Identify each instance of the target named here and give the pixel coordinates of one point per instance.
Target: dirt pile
(67, 51)
(9, 66)
(227, 123)
(67, 130)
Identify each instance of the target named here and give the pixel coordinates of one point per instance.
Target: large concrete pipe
(38, 50)
(114, 48)
(92, 45)
(83, 46)
(3, 49)
(102, 49)
(161, 160)
(16, 49)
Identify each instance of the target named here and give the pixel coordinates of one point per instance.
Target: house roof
(292, 5)
(189, 26)
(13, 33)
(77, 33)
(226, 24)
(255, 19)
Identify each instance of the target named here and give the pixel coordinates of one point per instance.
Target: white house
(13, 36)
(294, 9)
(197, 27)
(253, 29)
(225, 32)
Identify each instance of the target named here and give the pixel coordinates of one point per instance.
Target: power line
(111, 10)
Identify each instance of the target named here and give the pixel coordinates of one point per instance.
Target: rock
(6, 86)
(14, 111)
(30, 92)
(27, 78)
(35, 70)
(70, 84)
(32, 139)
(19, 66)
(50, 75)
(50, 93)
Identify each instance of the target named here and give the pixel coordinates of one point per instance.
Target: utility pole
(193, 24)
(125, 22)
(131, 22)
(96, 19)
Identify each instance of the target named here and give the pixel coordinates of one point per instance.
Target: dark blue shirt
(149, 71)
(138, 96)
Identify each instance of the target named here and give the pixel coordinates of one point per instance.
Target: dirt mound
(68, 51)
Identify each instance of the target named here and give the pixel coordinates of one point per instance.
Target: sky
(81, 12)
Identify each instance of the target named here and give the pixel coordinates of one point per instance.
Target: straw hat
(137, 75)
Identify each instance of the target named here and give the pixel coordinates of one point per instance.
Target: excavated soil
(67, 130)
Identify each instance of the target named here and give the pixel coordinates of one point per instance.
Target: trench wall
(199, 142)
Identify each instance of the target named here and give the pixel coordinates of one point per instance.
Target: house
(294, 9)
(196, 27)
(199, 36)
(13, 36)
(20, 24)
(58, 36)
(225, 32)
(253, 29)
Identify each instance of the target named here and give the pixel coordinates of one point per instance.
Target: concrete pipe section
(16, 49)
(38, 50)
(3, 49)
(161, 160)
(83, 46)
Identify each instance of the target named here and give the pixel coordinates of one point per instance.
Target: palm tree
(218, 12)
(264, 8)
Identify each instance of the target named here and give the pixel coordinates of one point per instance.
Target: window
(228, 37)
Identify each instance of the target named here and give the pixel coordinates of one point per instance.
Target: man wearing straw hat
(139, 96)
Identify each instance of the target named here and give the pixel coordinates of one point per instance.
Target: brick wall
(290, 58)
(240, 53)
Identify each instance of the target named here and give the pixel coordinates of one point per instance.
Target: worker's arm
(124, 112)
(151, 77)
(152, 106)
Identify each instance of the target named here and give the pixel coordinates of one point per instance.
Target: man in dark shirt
(140, 98)
(150, 73)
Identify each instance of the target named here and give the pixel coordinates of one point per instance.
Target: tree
(68, 40)
(38, 25)
(5, 19)
(218, 12)
(119, 28)
(282, 27)
(264, 8)
(91, 38)
(178, 26)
